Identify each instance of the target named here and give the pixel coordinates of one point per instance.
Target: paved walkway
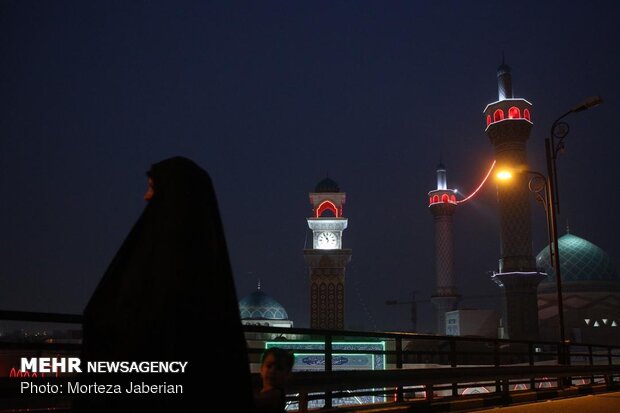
(597, 403)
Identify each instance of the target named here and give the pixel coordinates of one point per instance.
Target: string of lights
(479, 186)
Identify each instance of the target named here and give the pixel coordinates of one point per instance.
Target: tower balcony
(507, 110)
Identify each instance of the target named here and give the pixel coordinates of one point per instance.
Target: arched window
(453, 199)
(430, 200)
(514, 113)
(444, 198)
(526, 114)
(498, 115)
(327, 206)
(488, 120)
(435, 199)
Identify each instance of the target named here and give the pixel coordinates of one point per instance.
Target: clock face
(327, 241)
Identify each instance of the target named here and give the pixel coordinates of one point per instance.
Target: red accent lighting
(479, 186)
(445, 198)
(453, 199)
(514, 113)
(526, 114)
(435, 199)
(327, 206)
(488, 120)
(498, 115)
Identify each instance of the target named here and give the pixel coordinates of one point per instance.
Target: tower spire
(442, 177)
(504, 81)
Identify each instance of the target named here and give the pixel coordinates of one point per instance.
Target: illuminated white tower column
(508, 127)
(442, 204)
(327, 259)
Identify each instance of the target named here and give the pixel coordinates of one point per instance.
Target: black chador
(169, 294)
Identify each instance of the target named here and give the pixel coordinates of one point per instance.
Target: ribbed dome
(260, 306)
(327, 185)
(580, 260)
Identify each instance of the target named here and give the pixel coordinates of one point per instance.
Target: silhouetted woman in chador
(170, 280)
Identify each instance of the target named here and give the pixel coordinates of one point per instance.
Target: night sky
(269, 97)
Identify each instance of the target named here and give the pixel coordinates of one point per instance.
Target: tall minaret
(442, 204)
(327, 259)
(508, 127)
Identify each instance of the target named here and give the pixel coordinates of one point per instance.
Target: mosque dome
(327, 185)
(580, 261)
(260, 306)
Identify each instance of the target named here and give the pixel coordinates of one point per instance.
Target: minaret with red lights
(442, 204)
(508, 127)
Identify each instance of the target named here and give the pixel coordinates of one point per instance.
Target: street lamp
(559, 130)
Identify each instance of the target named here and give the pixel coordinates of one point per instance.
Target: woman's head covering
(169, 292)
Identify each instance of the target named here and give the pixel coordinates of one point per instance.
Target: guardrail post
(399, 365)
(530, 350)
(566, 350)
(591, 360)
(562, 361)
(303, 402)
(498, 384)
(429, 392)
(328, 367)
(609, 378)
(452, 353)
(455, 389)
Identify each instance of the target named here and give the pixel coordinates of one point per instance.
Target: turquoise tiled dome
(580, 260)
(259, 305)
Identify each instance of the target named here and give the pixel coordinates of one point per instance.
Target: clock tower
(327, 259)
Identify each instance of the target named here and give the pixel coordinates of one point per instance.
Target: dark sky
(269, 97)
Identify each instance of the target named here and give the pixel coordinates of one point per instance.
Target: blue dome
(580, 261)
(327, 185)
(261, 306)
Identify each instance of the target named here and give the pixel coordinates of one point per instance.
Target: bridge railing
(423, 366)
(398, 367)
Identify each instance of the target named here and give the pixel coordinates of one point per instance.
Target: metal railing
(423, 367)
(414, 367)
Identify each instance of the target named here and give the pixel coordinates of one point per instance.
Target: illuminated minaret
(442, 204)
(508, 127)
(327, 259)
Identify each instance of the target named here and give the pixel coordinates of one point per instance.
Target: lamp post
(558, 131)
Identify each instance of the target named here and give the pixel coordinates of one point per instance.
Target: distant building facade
(474, 322)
